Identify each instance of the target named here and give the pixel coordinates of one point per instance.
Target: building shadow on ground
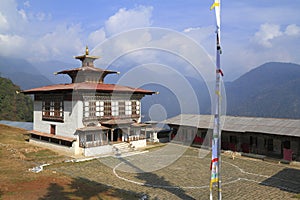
(81, 188)
(287, 179)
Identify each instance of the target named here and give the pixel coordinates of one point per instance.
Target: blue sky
(253, 32)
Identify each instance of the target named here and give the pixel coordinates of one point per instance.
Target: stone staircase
(122, 148)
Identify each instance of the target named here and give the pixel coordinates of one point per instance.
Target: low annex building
(86, 116)
(272, 137)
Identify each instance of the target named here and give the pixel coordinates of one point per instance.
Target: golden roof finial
(86, 50)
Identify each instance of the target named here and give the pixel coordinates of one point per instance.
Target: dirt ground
(168, 172)
(17, 156)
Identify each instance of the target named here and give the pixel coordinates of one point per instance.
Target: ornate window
(115, 108)
(121, 108)
(107, 109)
(128, 108)
(97, 107)
(53, 108)
(136, 107)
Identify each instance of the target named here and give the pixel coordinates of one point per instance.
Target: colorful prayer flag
(214, 5)
(214, 163)
(216, 159)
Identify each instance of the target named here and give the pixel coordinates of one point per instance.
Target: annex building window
(53, 108)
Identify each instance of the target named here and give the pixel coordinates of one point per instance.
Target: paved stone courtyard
(178, 172)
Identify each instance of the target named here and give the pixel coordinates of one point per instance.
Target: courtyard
(178, 172)
(168, 171)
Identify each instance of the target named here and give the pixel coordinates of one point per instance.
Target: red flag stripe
(220, 71)
(212, 161)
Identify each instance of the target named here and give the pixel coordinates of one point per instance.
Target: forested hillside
(14, 106)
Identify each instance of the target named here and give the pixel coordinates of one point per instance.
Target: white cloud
(23, 14)
(266, 34)
(64, 40)
(123, 20)
(40, 16)
(200, 33)
(204, 36)
(3, 22)
(15, 19)
(35, 41)
(155, 45)
(23, 35)
(27, 4)
(272, 43)
(292, 30)
(96, 37)
(11, 45)
(129, 19)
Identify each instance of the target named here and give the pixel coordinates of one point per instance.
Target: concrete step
(121, 148)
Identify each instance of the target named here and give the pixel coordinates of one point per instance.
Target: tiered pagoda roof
(87, 78)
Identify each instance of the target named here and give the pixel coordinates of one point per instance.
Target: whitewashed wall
(72, 119)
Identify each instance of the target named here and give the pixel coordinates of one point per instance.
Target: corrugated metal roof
(276, 126)
(99, 87)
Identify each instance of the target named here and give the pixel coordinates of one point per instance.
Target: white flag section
(216, 140)
(217, 7)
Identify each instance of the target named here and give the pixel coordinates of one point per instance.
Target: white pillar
(112, 135)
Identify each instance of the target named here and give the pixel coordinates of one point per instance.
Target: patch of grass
(297, 196)
(40, 154)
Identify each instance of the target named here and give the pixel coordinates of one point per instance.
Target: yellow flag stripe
(214, 5)
(212, 181)
(218, 93)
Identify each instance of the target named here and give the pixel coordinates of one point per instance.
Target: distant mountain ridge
(48, 68)
(30, 75)
(270, 90)
(22, 73)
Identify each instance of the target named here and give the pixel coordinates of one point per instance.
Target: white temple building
(86, 116)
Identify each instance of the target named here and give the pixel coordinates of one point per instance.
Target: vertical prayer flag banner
(215, 166)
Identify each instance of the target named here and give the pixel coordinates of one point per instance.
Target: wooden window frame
(128, 108)
(53, 108)
(135, 108)
(95, 109)
(114, 108)
(98, 108)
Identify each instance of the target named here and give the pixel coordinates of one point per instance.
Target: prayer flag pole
(216, 140)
